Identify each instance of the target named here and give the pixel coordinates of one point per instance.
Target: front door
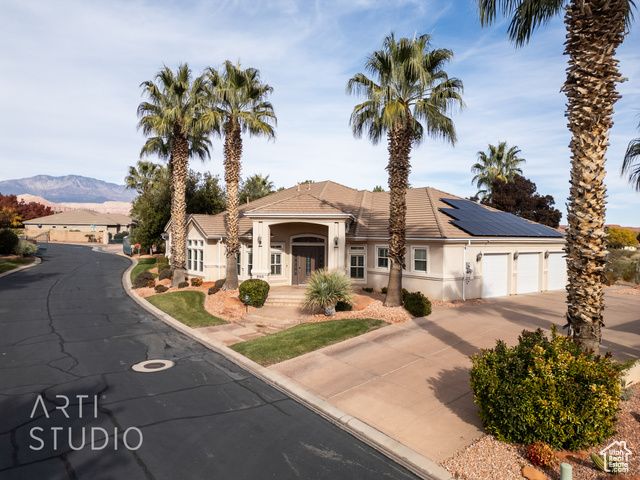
(306, 259)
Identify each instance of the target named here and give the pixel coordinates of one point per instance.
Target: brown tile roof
(370, 211)
(82, 217)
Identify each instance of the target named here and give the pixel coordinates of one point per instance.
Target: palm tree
(632, 155)
(143, 177)
(256, 187)
(237, 104)
(408, 85)
(595, 28)
(172, 118)
(498, 163)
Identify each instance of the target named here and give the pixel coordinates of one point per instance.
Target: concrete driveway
(411, 381)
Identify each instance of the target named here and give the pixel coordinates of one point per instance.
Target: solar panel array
(479, 221)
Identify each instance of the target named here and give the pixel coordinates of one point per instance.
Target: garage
(528, 273)
(557, 271)
(495, 275)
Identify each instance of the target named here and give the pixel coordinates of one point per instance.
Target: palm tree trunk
(399, 149)
(178, 206)
(232, 155)
(595, 29)
(173, 243)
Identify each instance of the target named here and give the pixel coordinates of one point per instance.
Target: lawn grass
(186, 307)
(7, 264)
(303, 339)
(144, 265)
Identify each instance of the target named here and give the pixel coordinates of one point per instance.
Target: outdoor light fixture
(516, 255)
(259, 240)
(546, 254)
(335, 241)
(246, 302)
(479, 257)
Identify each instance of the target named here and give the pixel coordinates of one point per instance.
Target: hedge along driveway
(186, 307)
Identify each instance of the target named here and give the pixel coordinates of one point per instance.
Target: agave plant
(325, 289)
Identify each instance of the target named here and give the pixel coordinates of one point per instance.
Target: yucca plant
(325, 289)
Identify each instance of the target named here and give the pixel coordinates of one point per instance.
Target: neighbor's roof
(82, 217)
(369, 211)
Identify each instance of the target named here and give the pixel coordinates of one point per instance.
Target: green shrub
(416, 303)
(384, 290)
(161, 289)
(196, 282)
(542, 454)
(549, 391)
(212, 290)
(8, 241)
(142, 279)
(120, 235)
(326, 288)
(256, 289)
(164, 273)
(25, 249)
(183, 284)
(343, 306)
(367, 289)
(162, 262)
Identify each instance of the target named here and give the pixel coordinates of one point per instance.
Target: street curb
(37, 261)
(401, 454)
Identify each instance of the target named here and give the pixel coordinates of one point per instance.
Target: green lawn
(303, 338)
(7, 264)
(187, 307)
(144, 265)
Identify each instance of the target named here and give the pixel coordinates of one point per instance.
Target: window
(276, 259)
(356, 268)
(383, 257)
(195, 255)
(249, 262)
(420, 260)
(238, 259)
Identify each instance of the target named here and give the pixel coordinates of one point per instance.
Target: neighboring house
(455, 248)
(76, 224)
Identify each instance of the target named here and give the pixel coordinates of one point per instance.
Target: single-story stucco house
(455, 248)
(79, 223)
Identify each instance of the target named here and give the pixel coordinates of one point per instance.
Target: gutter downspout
(464, 271)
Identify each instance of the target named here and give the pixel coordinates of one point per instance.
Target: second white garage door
(557, 273)
(528, 273)
(495, 275)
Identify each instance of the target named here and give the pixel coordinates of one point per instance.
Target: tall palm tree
(142, 177)
(172, 118)
(237, 104)
(628, 168)
(408, 85)
(595, 28)
(499, 162)
(256, 187)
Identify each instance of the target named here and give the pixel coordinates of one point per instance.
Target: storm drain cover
(153, 365)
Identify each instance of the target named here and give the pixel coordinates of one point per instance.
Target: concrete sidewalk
(411, 381)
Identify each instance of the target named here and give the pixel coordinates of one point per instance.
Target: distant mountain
(72, 188)
(123, 208)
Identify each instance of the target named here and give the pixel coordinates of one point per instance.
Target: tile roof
(82, 217)
(370, 211)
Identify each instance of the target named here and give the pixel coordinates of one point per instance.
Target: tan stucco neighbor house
(455, 248)
(75, 224)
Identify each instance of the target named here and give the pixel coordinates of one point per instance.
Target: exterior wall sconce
(259, 240)
(479, 257)
(335, 241)
(516, 255)
(546, 254)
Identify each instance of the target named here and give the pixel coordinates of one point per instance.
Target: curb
(37, 261)
(396, 451)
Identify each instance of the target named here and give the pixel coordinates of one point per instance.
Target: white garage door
(528, 273)
(557, 273)
(494, 275)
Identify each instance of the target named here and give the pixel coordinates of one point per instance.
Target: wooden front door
(306, 259)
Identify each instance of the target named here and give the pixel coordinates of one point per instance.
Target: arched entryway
(308, 255)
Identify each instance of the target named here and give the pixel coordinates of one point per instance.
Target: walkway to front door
(306, 259)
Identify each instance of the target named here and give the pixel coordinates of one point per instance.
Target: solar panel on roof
(477, 220)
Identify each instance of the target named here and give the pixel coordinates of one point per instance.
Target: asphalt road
(71, 407)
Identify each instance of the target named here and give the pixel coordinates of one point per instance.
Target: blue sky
(71, 72)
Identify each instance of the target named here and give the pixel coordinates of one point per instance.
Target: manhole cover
(153, 365)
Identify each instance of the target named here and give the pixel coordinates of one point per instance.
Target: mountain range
(70, 188)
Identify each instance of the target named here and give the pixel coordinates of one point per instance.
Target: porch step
(285, 297)
(276, 317)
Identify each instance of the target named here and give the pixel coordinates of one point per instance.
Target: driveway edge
(37, 261)
(401, 454)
